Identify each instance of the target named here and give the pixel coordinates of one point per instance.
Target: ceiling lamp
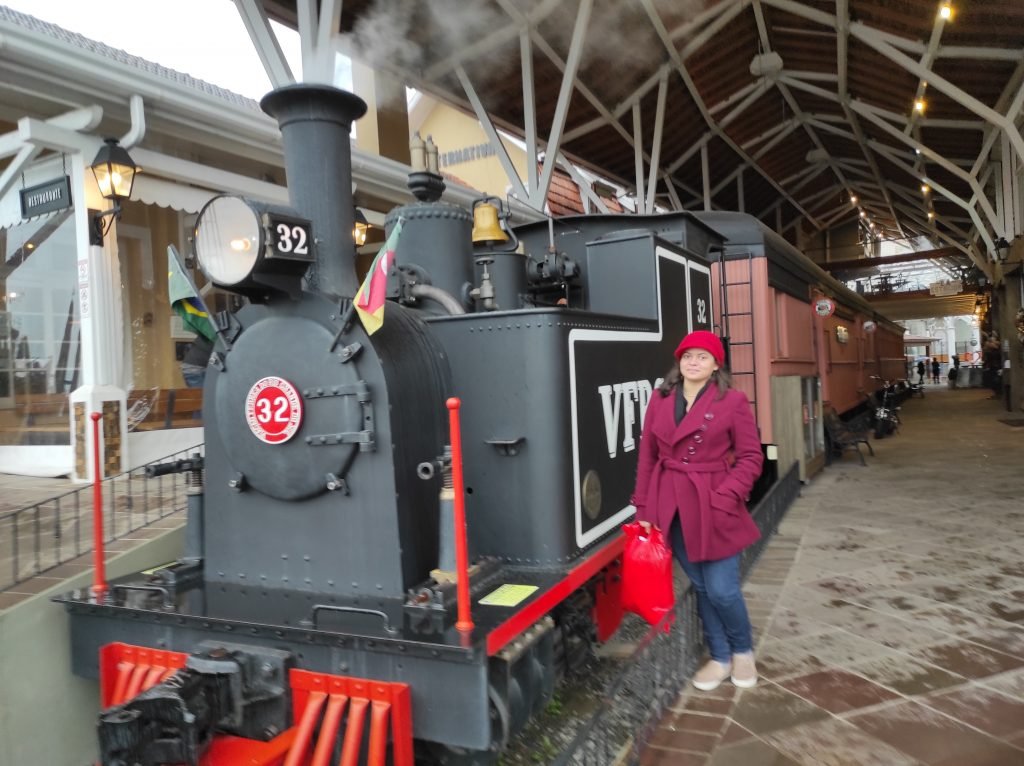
(919, 106)
(925, 188)
(931, 215)
(946, 11)
(853, 199)
(766, 65)
(863, 214)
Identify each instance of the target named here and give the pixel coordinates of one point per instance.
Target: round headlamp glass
(228, 240)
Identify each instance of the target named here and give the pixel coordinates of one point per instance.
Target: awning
(155, 191)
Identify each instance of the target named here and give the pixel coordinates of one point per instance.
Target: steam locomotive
(314, 613)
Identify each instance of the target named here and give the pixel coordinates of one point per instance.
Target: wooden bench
(165, 408)
(851, 435)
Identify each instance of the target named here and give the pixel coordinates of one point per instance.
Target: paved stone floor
(888, 611)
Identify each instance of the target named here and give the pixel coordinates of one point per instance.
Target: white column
(100, 328)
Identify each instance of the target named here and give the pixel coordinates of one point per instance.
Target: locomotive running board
(319, 703)
(609, 613)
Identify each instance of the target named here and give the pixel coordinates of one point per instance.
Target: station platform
(888, 610)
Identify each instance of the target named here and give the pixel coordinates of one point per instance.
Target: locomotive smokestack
(315, 122)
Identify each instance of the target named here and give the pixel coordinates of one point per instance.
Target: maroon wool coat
(703, 469)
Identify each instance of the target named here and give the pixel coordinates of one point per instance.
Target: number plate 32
(290, 238)
(273, 410)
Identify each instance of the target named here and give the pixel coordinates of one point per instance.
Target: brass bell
(485, 224)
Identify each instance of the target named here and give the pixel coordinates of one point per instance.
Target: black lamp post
(115, 173)
(1002, 248)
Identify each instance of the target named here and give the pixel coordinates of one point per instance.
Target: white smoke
(621, 48)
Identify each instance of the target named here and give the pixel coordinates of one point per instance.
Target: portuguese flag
(371, 296)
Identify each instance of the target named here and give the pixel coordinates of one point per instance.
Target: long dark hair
(721, 377)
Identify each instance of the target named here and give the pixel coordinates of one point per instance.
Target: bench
(164, 408)
(849, 435)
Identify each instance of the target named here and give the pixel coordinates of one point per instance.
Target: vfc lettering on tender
(618, 401)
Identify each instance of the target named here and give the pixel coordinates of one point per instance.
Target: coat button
(698, 438)
(686, 460)
(709, 416)
(704, 427)
(691, 450)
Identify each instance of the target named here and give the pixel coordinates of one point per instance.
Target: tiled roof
(564, 196)
(63, 36)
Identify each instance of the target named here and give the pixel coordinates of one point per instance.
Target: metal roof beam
(695, 95)
(729, 12)
(976, 52)
(780, 136)
(491, 42)
(659, 125)
(254, 17)
(672, 193)
(492, 135)
(762, 29)
(586, 189)
(971, 253)
(572, 63)
(809, 201)
(750, 143)
(735, 96)
(529, 109)
(694, 148)
(942, 190)
(986, 206)
(872, 38)
(638, 157)
(702, 18)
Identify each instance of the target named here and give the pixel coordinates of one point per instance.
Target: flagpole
(172, 252)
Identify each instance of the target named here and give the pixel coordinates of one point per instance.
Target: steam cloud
(621, 48)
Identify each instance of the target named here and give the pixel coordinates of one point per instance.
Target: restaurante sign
(46, 197)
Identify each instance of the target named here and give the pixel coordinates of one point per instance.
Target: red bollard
(465, 621)
(99, 580)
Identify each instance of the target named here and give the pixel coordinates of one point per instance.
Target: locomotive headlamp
(252, 247)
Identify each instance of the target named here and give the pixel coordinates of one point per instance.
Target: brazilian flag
(185, 300)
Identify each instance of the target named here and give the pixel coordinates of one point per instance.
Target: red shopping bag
(646, 573)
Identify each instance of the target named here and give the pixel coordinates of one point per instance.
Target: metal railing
(635, 701)
(40, 537)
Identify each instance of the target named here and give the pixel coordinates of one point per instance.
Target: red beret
(705, 340)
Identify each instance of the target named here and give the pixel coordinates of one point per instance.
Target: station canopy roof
(799, 106)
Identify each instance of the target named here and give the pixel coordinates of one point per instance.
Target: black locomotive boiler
(313, 611)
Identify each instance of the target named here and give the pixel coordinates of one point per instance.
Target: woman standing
(700, 454)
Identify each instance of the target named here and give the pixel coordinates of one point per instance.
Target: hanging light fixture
(359, 228)
(115, 172)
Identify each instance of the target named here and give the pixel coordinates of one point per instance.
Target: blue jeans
(720, 601)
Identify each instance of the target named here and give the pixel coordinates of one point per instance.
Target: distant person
(935, 370)
(992, 367)
(953, 371)
(920, 371)
(956, 362)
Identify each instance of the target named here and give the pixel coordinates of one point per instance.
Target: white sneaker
(711, 675)
(744, 671)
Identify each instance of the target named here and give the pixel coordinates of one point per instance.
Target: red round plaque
(273, 410)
